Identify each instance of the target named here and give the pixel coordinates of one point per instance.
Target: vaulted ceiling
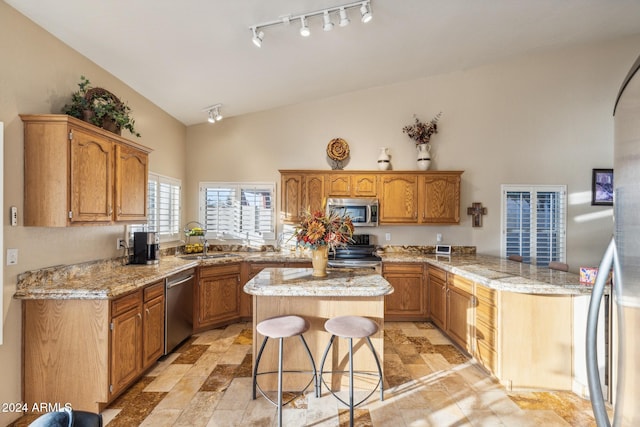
(187, 55)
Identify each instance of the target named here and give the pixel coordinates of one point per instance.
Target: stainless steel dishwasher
(178, 319)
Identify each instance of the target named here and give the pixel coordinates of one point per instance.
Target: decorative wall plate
(338, 152)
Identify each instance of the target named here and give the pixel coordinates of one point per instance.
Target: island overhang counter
(282, 291)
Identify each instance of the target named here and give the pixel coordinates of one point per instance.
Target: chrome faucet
(205, 247)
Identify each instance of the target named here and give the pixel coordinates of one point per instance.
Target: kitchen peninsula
(280, 291)
(515, 319)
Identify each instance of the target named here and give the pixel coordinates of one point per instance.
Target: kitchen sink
(207, 256)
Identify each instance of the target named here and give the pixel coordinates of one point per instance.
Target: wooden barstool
(279, 328)
(351, 327)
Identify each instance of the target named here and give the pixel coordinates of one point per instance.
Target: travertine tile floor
(207, 382)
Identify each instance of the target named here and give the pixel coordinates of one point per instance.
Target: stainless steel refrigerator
(623, 255)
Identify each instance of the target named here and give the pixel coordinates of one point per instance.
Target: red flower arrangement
(320, 229)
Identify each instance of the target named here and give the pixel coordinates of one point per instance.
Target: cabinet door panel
(91, 178)
(459, 317)
(399, 199)
(437, 301)
(291, 198)
(365, 186)
(153, 335)
(131, 184)
(441, 204)
(339, 185)
(407, 299)
(219, 299)
(313, 191)
(125, 349)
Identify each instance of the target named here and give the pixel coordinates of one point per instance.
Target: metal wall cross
(477, 211)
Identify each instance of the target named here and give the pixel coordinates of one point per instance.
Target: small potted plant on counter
(100, 107)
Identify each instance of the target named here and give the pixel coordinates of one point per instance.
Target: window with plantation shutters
(534, 222)
(163, 208)
(238, 210)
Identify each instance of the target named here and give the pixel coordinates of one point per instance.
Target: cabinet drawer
(154, 291)
(486, 294)
(125, 303)
(461, 283)
(486, 333)
(487, 313)
(436, 272)
(220, 270)
(401, 268)
(487, 356)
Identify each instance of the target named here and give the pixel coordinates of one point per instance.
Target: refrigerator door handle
(609, 259)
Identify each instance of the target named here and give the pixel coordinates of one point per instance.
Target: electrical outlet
(387, 237)
(439, 237)
(12, 256)
(120, 243)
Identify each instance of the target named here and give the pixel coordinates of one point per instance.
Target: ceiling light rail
(327, 25)
(213, 113)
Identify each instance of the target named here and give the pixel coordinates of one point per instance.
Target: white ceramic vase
(384, 160)
(424, 156)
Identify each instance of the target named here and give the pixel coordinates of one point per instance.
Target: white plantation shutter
(238, 210)
(534, 223)
(163, 208)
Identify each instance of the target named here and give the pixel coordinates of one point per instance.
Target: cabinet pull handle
(147, 311)
(139, 316)
(110, 210)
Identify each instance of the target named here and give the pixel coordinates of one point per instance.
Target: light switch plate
(14, 216)
(12, 256)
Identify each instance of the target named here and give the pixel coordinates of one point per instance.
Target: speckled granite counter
(98, 280)
(299, 282)
(109, 279)
(501, 274)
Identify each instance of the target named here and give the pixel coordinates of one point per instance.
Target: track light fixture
(304, 28)
(344, 19)
(213, 113)
(365, 11)
(327, 25)
(257, 37)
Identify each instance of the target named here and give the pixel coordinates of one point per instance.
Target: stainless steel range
(358, 254)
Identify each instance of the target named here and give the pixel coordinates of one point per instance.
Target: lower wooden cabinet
(460, 316)
(408, 300)
(86, 352)
(437, 285)
(249, 271)
(451, 306)
(217, 295)
(137, 334)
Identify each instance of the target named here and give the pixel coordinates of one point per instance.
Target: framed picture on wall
(602, 187)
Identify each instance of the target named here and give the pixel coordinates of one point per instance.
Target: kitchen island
(280, 291)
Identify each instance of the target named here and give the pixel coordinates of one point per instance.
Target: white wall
(38, 75)
(542, 118)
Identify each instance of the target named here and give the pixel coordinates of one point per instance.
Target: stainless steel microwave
(363, 211)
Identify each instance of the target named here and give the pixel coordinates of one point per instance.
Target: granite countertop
(298, 282)
(502, 274)
(110, 279)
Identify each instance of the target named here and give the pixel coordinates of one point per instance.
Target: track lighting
(365, 10)
(213, 113)
(328, 25)
(304, 29)
(257, 37)
(344, 19)
(366, 14)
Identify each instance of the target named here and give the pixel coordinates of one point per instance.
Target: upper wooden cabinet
(352, 185)
(76, 173)
(398, 199)
(439, 198)
(406, 197)
(300, 191)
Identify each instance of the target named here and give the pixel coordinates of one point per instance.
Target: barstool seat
(279, 328)
(351, 327)
(283, 326)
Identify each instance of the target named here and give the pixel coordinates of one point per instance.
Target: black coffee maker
(146, 248)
